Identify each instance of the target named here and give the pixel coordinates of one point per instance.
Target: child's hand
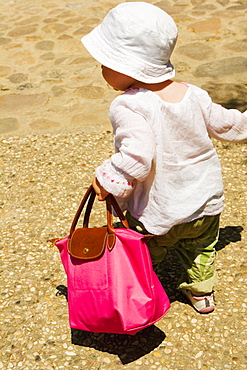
(99, 190)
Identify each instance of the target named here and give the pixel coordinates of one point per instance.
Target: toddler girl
(165, 171)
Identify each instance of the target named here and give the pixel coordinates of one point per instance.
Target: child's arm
(227, 124)
(134, 147)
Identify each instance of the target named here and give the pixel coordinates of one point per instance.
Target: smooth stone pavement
(49, 83)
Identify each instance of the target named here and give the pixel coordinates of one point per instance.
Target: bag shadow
(128, 348)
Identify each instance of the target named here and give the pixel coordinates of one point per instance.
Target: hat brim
(124, 63)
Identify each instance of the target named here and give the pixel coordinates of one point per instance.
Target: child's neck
(169, 91)
(153, 87)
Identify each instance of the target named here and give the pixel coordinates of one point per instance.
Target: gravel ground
(53, 125)
(42, 182)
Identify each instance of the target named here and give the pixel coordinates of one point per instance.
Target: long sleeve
(222, 124)
(134, 151)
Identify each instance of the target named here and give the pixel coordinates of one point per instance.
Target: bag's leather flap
(88, 243)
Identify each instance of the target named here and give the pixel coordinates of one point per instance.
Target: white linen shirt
(165, 169)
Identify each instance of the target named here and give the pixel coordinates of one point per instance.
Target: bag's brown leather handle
(110, 203)
(80, 208)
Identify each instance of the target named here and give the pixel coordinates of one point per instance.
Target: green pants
(194, 243)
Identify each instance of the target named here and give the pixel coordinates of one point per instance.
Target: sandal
(202, 304)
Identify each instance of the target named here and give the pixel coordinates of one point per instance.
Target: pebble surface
(49, 82)
(54, 131)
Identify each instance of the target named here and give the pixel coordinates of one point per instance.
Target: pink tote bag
(112, 287)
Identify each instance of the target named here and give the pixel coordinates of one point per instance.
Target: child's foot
(203, 304)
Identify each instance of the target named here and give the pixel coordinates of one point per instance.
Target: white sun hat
(136, 39)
